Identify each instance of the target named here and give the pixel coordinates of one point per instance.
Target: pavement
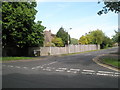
(74, 71)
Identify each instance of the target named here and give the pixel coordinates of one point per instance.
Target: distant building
(48, 36)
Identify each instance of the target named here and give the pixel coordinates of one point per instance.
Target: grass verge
(112, 61)
(85, 51)
(16, 58)
(79, 52)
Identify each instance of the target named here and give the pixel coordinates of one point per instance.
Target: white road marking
(41, 67)
(25, 67)
(17, 66)
(73, 70)
(38, 66)
(11, 66)
(63, 68)
(50, 67)
(117, 73)
(52, 63)
(33, 68)
(88, 70)
(47, 69)
(87, 73)
(44, 65)
(105, 72)
(59, 70)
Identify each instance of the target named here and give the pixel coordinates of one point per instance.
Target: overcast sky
(82, 17)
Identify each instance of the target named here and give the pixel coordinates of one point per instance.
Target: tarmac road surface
(74, 71)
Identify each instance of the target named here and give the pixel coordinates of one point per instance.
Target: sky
(82, 17)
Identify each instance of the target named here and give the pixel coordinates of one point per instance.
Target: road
(74, 71)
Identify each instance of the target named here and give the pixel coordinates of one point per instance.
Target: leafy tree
(58, 42)
(97, 36)
(111, 5)
(83, 40)
(74, 41)
(116, 37)
(18, 26)
(89, 38)
(63, 35)
(36, 38)
(107, 42)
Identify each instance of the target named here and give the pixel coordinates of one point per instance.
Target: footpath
(99, 61)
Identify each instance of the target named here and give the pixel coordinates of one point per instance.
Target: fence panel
(44, 51)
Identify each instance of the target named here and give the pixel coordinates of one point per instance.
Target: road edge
(96, 60)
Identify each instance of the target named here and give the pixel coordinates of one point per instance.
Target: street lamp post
(68, 40)
(68, 36)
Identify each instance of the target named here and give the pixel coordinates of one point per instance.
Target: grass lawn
(112, 61)
(16, 58)
(78, 52)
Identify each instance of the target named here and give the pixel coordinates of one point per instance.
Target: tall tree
(63, 35)
(58, 42)
(110, 5)
(107, 42)
(97, 36)
(116, 37)
(74, 41)
(18, 26)
(83, 40)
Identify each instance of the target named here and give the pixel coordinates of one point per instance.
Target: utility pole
(68, 40)
(68, 36)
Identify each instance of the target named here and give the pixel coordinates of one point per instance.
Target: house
(48, 36)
